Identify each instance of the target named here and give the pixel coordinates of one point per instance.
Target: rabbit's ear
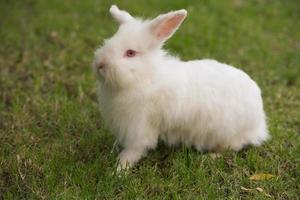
(120, 16)
(165, 25)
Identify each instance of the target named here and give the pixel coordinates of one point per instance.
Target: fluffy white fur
(200, 103)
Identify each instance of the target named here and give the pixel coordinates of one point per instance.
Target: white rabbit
(146, 94)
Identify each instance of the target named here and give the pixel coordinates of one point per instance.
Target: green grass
(52, 141)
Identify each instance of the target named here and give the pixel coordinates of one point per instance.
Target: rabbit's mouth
(101, 70)
(101, 67)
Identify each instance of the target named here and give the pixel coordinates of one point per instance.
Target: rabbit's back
(210, 103)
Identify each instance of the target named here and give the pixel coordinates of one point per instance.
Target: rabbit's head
(131, 57)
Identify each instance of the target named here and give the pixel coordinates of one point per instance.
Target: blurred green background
(52, 141)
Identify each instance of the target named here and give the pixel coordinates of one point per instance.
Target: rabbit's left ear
(120, 16)
(164, 26)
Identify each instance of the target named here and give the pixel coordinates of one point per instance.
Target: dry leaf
(257, 177)
(258, 189)
(262, 191)
(246, 189)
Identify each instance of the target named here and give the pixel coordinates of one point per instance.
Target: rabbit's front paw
(128, 157)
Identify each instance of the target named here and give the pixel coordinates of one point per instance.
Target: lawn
(53, 144)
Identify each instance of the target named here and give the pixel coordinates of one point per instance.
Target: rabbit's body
(200, 103)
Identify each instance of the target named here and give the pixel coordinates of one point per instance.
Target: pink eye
(130, 53)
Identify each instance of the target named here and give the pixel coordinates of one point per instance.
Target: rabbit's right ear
(120, 16)
(165, 25)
